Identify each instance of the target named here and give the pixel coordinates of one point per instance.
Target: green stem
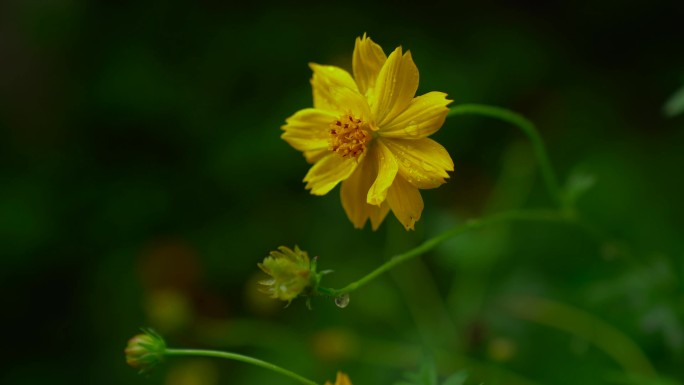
(473, 224)
(573, 320)
(241, 358)
(528, 128)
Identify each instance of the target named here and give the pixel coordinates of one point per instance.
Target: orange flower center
(349, 136)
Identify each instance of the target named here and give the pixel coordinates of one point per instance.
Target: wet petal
(423, 162)
(405, 201)
(353, 194)
(378, 214)
(367, 61)
(353, 103)
(387, 170)
(328, 172)
(423, 117)
(308, 130)
(395, 87)
(334, 90)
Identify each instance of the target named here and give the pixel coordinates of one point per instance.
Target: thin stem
(528, 128)
(241, 358)
(473, 224)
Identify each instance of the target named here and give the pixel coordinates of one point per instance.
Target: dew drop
(342, 301)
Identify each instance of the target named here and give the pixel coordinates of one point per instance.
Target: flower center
(348, 136)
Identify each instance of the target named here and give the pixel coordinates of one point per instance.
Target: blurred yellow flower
(370, 132)
(342, 379)
(290, 273)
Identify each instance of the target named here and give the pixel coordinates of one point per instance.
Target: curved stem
(474, 224)
(528, 128)
(241, 358)
(573, 320)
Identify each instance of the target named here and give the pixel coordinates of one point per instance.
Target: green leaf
(578, 184)
(426, 376)
(457, 378)
(429, 373)
(675, 105)
(634, 379)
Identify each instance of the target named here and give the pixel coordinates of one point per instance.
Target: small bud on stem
(145, 351)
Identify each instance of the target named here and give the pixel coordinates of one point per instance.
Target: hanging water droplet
(342, 301)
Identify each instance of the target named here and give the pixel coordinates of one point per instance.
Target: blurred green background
(143, 178)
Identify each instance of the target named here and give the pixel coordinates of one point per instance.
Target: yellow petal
(334, 90)
(395, 87)
(423, 117)
(387, 170)
(405, 202)
(314, 156)
(351, 101)
(328, 172)
(342, 379)
(367, 61)
(353, 194)
(422, 162)
(378, 214)
(308, 130)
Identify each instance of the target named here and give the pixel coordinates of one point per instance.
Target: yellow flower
(370, 132)
(290, 271)
(342, 379)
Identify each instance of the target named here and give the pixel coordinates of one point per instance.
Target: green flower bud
(291, 274)
(145, 351)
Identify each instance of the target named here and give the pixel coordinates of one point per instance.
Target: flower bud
(145, 351)
(291, 273)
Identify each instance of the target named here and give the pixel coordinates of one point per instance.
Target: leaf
(457, 378)
(426, 376)
(577, 185)
(634, 379)
(429, 373)
(675, 104)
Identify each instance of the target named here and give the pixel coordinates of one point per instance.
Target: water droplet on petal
(342, 301)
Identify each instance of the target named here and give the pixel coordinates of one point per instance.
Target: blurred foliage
(675, 104)
(428, 376)
(143, 178)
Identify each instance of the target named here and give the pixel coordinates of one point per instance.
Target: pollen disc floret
(349, 136)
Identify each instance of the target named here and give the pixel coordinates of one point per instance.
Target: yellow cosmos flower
(342, 379)
(370, 132)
